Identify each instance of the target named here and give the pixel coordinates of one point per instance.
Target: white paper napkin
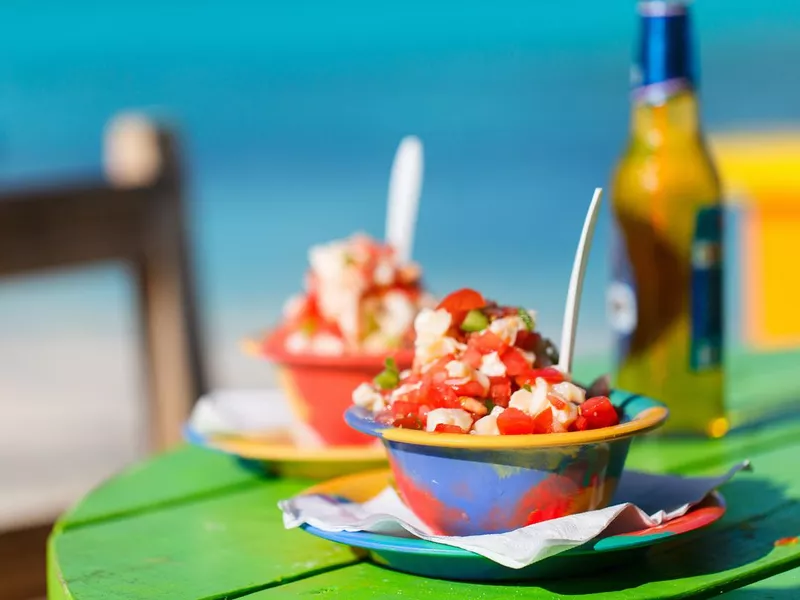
(642, 500)
(252, 413)
(240, 412)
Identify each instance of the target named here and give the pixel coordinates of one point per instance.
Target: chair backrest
(136, 216)
(60, 224)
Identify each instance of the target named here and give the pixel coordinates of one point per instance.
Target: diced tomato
(412, 396)
(413, 378)
(408, 338)
(499, 390)
(401, 408)
(442, 428)
(471, 388)
(460, 302)
(515, 362)
(423, 411)
(580, 424)
(599, 412)
(543, 422)
(486, 342)
(472, 357)
(437, 372)
(442, 396)
(527, 340)
(437, 376)
(527, 378)
(423, 396)
(307, 308)
(513, 421)
(439, 365)
(557, 402)
(549, 374)
(409, 422)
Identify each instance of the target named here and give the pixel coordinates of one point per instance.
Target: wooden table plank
(785, 586)
(211, 548)
(193, 524)
(763, 506)
(772, 485)
(235, 543)
(366, 580)
(726, 559)
(177, 476)
(686, 455)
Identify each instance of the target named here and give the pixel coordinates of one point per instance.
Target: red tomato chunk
(513, 421)
(597, 412)
(442, 428)
(462, 301)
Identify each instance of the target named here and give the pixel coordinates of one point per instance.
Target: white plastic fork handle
(405, 185)
(572, 307)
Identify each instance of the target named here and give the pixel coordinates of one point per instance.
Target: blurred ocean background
(290, 115)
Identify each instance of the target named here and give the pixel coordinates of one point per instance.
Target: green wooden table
(193, 524)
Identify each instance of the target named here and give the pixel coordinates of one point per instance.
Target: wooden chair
(137, 217)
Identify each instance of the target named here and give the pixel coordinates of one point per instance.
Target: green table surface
(192, 524)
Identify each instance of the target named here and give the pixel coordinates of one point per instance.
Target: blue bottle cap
(664, 53)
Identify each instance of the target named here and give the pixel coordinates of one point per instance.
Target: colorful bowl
(319, 388)
(473, 485)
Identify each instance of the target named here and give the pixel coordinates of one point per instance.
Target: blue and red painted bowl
(475, 484)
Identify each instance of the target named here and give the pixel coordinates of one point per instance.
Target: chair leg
(170, 341)
(22, 562)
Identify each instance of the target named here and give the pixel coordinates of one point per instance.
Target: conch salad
(358, 298)
(482, 369)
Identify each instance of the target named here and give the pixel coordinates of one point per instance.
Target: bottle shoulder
(680, 169)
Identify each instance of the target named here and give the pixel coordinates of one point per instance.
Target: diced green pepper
(475, 321)
(388, 378)
(527, 319)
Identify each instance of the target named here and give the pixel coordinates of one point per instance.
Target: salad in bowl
(484, 434)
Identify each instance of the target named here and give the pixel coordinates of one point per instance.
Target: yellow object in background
(761, 174)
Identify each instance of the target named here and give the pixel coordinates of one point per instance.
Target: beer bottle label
(706, 291)
(621, 306)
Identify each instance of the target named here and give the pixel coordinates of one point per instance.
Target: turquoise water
(291, 115)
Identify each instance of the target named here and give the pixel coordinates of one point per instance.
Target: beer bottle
(665, 299)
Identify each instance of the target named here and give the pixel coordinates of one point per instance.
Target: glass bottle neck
(665, 107)
(672, 121)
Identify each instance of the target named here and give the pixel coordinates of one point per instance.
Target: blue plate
(429, 559)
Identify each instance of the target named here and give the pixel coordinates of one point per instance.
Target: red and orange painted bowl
(319, 388)
(475, 484)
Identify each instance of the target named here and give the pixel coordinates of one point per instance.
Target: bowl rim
(645, 414)
(265, 347)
